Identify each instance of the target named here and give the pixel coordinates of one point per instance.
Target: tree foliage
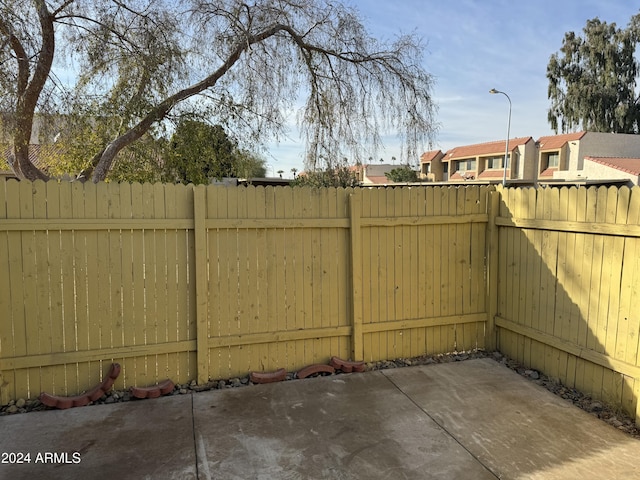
(199, 153)
(339, 176)
(137, 63)
(141, 161)
(402, 174)
(592, 80)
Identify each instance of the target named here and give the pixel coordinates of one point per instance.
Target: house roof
(42, 156)
(492, 173)
(628, 165)
(468, 175)
(555, 142)
(428, 157)
(489, 148)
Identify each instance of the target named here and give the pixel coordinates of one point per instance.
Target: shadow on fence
(569, 279)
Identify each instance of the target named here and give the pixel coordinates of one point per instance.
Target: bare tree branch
(245, 64)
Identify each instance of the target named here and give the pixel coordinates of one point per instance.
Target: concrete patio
(474, 419)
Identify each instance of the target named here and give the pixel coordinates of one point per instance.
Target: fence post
(636, 395)
(491, 286)
(200, 266)
(357, 341)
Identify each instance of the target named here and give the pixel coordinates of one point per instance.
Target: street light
(506, 148)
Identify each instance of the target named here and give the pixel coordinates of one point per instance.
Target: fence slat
(357, 342)
(200, 234)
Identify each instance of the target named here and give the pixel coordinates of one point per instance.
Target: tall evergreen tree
(592, 79)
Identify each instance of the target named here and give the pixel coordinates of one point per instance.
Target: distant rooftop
(554, 142)
(488, 148)
(629, 165)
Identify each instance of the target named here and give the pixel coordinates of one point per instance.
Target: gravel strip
(599, 409)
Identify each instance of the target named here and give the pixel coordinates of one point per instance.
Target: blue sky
(471, 47)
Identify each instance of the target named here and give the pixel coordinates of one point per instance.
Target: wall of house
(437, 169)
(570, 157)
(610, 145)
(528, 169)
(376, 171)
(593, 170)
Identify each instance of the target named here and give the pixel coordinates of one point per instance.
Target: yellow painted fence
(569, 287)
(204, 283)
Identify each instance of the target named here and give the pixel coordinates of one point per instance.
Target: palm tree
(294, 171)
(280, 172)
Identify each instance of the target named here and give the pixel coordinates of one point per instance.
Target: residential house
(432, 169)
(374, 174)
(483, 161)
(589, 156)
(613, 168)
(582, 157)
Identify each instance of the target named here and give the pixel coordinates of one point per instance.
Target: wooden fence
(569, 287)
(213, 282)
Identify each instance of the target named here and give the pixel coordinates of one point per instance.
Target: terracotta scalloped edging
(268, 377)
(346, 366)
(316, 368)
(81, 400)
(154, 391)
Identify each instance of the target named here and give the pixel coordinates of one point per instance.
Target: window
(465, 165)
(553, 160)
(495, 162)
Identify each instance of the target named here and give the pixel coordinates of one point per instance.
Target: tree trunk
(29, 92)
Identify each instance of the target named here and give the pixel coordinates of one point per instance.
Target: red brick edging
(268, 377)
(346, 366)
(317, 368)
(154, 391)
(92, 395)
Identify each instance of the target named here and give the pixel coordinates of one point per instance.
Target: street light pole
(506, 148)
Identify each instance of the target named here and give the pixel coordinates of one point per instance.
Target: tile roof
(470, 175)
(493, 173)
(42, 156)
(629, 165)
(554, 142)
(427, 157)
(548, 172)
(489, 148)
